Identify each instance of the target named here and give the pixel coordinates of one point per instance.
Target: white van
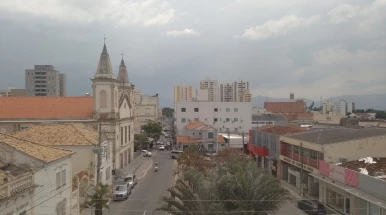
(174, 154)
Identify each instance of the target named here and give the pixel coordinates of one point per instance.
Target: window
(108, 173)
(215, 120)
(236, 130)
(195, 109)
(103, 99)
(183, 119)
(313, 154)
(227, 119)
(61, 207)
(64, 177)
(236, 110)
(129, 133)
(216, 110)
(235, 119)
(227, 129)
(296, 150)
(228, 110)
(107, 152)
(121, 135)
(58, 179)
(125, 134)
(210, 135)
(183, 109)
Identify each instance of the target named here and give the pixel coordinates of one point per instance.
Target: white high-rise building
(237, 91)
(211, 86)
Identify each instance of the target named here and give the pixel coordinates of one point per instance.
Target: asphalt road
(145, 196)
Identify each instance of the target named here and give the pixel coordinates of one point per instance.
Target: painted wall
(206, 114)
(47, 196)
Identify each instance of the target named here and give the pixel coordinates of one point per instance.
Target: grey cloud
(306, 58)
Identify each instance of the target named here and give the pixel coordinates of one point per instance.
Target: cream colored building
(183, 92)
(212, 87)
(145, 107)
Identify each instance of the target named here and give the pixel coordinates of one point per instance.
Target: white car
(146, 153)
(161, 147)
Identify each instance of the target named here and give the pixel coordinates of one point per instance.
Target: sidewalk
(133, 165)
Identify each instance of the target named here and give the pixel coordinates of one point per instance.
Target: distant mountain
(376, 101)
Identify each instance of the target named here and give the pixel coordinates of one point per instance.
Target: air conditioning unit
(239, 126)
(343, 160)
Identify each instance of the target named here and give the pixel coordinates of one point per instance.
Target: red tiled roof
(282, 130)
(193, 125)
(46, 107)
(186, 139)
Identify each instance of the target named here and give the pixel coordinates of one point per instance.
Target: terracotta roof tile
(186, 139)
(221, 139)
(65, 135)
(193, 125)
(41, 152)
(46, 107)
(378, 166)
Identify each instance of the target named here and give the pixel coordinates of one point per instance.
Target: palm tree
(99, 198)
(235, 185)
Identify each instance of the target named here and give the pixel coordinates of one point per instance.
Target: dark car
(312, 207)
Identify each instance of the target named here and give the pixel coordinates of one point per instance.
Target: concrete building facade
(332, 145)
(234, 117)
(44, 80)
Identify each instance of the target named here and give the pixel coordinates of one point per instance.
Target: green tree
(152, 129)
(140, 141)
(232, 185)
(99, 198)
(380, 115)
(311, 106)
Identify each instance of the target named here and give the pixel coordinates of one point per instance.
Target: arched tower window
(103, 99)
(116, 99)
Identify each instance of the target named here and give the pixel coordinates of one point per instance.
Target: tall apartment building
(183, 93)
(241, 90)
(227, 92)
(339, 108)
(237, 91)
(211, 86)
(44, 80)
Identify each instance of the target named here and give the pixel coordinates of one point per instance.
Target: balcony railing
(16, 185)
(296, 157)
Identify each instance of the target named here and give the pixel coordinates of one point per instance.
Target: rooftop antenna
(104, 38)
(122, 55)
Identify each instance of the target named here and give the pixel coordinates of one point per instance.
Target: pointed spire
(104, 65)
(123, 76)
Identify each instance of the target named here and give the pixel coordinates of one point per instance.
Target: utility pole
(243, 141)
(98, 176)
(216, 141)
(229, 139)
(301, 170)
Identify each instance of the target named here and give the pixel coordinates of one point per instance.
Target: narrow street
(145, 196)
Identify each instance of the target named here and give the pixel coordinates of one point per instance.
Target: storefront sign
(298, 164)
(337, 172)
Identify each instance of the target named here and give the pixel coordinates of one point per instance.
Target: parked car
(122, 191)
(131, 179)
(312, 207)
(161, 147)
(146, 153)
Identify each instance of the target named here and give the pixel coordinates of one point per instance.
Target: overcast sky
(311, 47)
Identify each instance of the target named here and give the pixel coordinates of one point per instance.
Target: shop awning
(352, 190)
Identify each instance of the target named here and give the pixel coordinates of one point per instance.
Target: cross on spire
(122, 55)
